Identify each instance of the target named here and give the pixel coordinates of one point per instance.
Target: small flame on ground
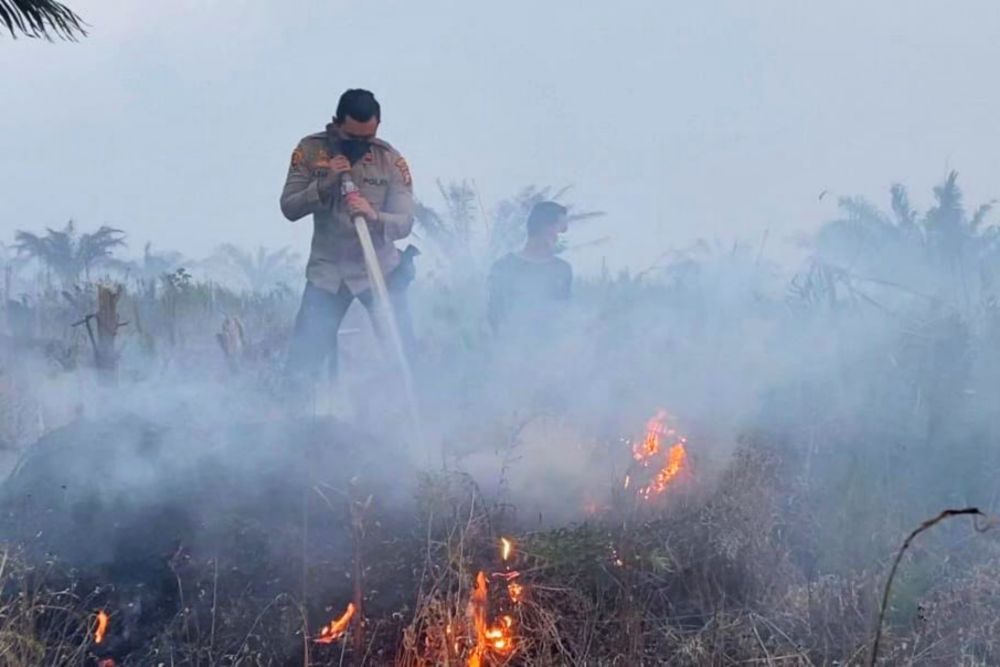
(336, 629)
(106, 662)
(515, 591)
(497, 638)
(652, 445)
(676, 458)
(101, 629)
(477, 610)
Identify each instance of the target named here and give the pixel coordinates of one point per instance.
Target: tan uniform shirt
(383, 177)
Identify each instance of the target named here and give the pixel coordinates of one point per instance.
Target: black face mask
(354, 149)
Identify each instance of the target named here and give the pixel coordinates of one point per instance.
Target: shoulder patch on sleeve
(404, 169)
(321, 158)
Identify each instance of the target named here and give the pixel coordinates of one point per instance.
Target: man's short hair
(544, 214)
(360, 105)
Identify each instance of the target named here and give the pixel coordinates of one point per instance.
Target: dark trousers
(314, 340)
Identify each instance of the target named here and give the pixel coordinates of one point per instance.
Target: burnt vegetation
(166, 476)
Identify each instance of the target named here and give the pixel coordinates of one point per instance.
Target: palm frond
(99, 245)
(584, 215)
(429, 220)
(861, 210)
(236, 257)
(41, 18)
(979, 215)
(259, 270)
(31, 244)
(906, 216)
(948, 212)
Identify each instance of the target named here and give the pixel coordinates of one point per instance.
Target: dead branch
(926, 525)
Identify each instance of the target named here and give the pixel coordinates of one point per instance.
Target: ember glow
(336, 629)
(506, 549)
(652, 451)
(477, 614)
(101, 629)
(497, 638)
(650, 445)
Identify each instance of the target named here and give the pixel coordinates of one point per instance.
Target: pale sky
(707, 119)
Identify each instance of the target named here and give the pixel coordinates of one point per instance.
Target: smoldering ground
(827, 407)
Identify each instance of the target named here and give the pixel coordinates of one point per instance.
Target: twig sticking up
(926, 525)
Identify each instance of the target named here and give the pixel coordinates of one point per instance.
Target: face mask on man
(354, 149)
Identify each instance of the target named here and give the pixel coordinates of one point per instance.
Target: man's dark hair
(544, 214)
(359, 104)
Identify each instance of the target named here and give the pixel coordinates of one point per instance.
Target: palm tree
(152, 264)
(927, 250)
(260, 271)
(9, 256)
(454, 229)
(40, 18)
(67, 253)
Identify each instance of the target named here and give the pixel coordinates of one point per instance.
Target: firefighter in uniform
(336, 273)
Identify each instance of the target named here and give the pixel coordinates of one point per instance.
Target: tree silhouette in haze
(911, 248)
(463, 223)
(152, 264)
(67, 253)
(260, 271)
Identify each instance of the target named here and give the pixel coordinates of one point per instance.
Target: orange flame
(477, 611)
(336, 629)
(497, 638)
(101, 629)
(676, 458)
(515, 591)
(652, 445)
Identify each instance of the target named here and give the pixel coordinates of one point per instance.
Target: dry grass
(39, 624)
(707, 578)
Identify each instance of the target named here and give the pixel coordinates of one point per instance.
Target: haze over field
(711, 458)
(721, 119)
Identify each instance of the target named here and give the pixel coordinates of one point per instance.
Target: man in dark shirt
(525, 287)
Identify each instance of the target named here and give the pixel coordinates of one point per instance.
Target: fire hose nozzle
(348, 187)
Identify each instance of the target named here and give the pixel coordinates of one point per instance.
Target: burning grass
(718, 577)
(725, 572)
(774, 554)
